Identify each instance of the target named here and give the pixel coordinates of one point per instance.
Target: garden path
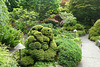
(90, 53)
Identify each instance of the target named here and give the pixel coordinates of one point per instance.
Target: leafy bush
(94, 32)
(68, 18)
(80, 33)
(48, 7)
(8, 35)
(79, 27)
(70, 53)
(23, 19)
(6, 59)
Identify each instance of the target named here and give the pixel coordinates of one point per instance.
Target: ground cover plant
(6, 59)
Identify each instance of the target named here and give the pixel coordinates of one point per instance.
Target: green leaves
(43, 7)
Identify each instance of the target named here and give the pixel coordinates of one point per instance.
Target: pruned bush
(69, 53)
(40, 45)
(94, 32)
(27, 60)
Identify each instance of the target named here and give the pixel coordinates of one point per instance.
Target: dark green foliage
(70, 53)
(43, 7)
(27, 60)
(94, 32)
(11, 4)
(87, 12)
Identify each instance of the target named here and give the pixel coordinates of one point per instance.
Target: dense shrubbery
(94, 32)
(8, 35)
(6, 59)
(40, 45)
(86, 13)
(23, 19)
(45, 7)
(69, 52)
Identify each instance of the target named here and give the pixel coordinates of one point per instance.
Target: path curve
(90, 53)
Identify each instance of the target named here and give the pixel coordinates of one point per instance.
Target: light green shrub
(23, 19)
(8, 35)
(94, 32)
(6, 59)
(27, 60)
(70, 53)
(40, 44)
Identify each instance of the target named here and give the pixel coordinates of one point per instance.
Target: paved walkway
(90, 53)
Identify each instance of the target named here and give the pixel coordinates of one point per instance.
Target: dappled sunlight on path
(90, 53)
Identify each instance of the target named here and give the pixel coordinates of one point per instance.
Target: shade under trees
(86, 11)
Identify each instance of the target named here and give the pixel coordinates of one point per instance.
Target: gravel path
(90, 53)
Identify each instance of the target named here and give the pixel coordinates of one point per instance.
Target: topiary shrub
(27, 60)
(69, 53)
(94, 32)
(40, 44)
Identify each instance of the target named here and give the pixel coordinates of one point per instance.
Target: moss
(46, 31)
(49, 55)
(31, 39)
(37, 27)
(39, 36)
(53, 45)
(27, 60)
(46, 39)
(38, 54)
(35, 45)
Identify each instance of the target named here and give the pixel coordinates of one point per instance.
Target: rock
(98, 43)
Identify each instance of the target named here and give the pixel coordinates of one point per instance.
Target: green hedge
(69, 53)
(94, 32)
